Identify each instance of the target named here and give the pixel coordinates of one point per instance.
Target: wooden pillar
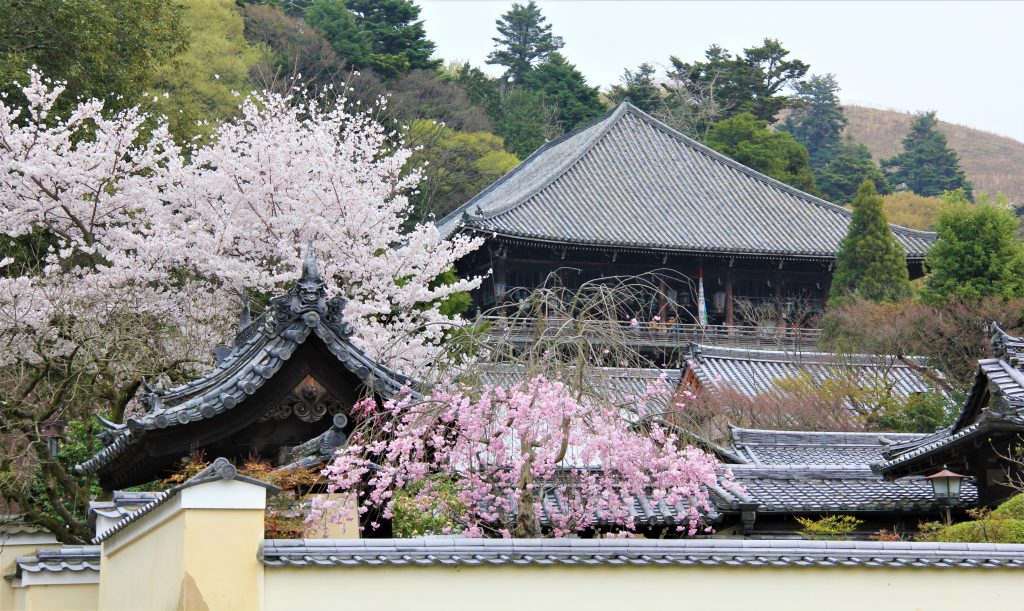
(730, 320)
(499, 281)
(777, 285)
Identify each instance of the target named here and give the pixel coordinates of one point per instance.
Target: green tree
(753, 82)
(565, 89)
(201, 82)
(978, 253)
(871, 263)
(524, 40)
(398, 41)
(749, 141)
(339, 27)
(817, 121)
(927, 166)
(459, 165)
(849, 165)
(639, 88)
(525, 122)
(107, 49)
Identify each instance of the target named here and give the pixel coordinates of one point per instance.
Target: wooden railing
(659, 335)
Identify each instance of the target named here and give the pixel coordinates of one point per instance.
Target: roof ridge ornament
(307, 301)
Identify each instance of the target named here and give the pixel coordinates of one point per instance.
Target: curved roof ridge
(834, 358)
(600, 127)
(457, 213)
(732, 163)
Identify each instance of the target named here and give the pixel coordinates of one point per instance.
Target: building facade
(628, 195)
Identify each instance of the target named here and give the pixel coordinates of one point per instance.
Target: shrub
(828, 527)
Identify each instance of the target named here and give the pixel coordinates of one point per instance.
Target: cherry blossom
(135, 223)
(511, 450)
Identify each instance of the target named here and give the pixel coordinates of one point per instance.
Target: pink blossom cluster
(140, 224)
(534, 451)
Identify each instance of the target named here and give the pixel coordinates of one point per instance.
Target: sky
(964, 60)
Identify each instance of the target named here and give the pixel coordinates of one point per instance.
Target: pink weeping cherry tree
(524, 459)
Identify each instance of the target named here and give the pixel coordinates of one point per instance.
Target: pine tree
(978, 253)
(850, 164)
(398, 42)
(818, 121)
(339, 27)
(870, 263)
(525, 40)
(565, 89)
(927, 166)
(639, 88)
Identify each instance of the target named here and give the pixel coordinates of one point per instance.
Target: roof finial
(310, 267)
(246, 317)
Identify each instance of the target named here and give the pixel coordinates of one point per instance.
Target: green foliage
(107, 49)
(565, 89)
(921, 413)
(200, 81)
(639, 88)
(751, 83)
(978, 253)
(78, 445)
(871, 263)
(397, 40)
(817, 122)
(339, 27)
(524, 40)
(849, 165)
(749, 141)
(1012, 508)
(828, 527)
(525, 122)
(456, 165)
(439, 516)
(927, 166)
(1005, 524)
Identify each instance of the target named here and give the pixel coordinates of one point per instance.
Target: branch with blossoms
(534, 437)
(122, 256)
(526, 459)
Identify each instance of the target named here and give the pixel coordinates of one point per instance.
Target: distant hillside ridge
(993, 163)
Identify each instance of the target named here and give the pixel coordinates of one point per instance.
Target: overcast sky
(962, 59)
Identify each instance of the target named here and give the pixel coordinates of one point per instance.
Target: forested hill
(993, 163)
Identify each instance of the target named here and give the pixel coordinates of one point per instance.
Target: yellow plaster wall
(58, 597)
(221, 558)
(147, 572)
(8, 552)
(565, 588)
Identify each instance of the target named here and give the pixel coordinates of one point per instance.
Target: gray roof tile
(753, 372)
(630, 181)
(458, 551)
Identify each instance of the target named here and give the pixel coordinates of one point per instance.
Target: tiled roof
(626, 386)
(74, 558)
(123, 503)
(259, 351)
(457, 551)
(219, 469)
(768, 447)
(753, 372)
(832, 489)
(630, 181)
(995, 403)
